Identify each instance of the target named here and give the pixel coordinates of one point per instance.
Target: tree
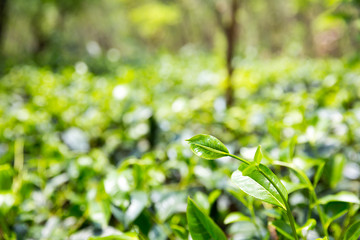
(3, 20)
(229, 27)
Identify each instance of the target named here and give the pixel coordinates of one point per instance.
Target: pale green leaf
(128, 236)
(236, 217)
(343, 196)
(258, 156)
(259, 186)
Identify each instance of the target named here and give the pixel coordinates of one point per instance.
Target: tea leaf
(340, 197)
(257, 185)
(236, 217)
(117, 237)
(318, 174)
(201, 226)
(299, 173)
(309, 225)
(292, 187)
(353, 232)
(208, 147)
(334, 170)
(283, 228)
(258, 156)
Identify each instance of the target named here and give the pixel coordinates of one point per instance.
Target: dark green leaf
(283, 228)
(258, 186)
(208, 147)
(353, 232)
(333, 211)
(201, 226)
(6, 173)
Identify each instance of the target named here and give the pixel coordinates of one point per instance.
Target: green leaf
(6, 174)
(283, 228)
(318, 174)
(208, 147)
(334, 170)
(343, 196)
(201, 226)
(292, 146)
(257, 185)
(333, 211)
(179, 231)
(138, 202)
(299, 173)
(213, 196)
(353, 232)
(129, 236)
(258, 156)
(292, 187)
(203, 202)
(236, 217)
(309, 225)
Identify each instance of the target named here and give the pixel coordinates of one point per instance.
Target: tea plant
(258, 181)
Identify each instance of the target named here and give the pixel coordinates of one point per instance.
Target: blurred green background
(98, 97)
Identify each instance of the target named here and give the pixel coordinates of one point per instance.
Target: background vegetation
(98, 97)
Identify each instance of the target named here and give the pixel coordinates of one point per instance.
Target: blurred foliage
(57, 32)
(98, 97)
(86, 155)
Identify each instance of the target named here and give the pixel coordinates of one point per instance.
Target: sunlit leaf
(208, 147)
(138, 203)
(309, 225)
(258, 186)
(236, 217)
(128, 236)
(258, 156)
(348, 197)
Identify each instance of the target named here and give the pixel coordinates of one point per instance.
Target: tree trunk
(39, 36)
(3, 20)
(231, 36)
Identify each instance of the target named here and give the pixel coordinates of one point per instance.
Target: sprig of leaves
(253, 178)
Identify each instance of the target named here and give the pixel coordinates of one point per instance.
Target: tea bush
(84, 155)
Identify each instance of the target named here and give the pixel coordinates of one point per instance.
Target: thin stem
(291, 219)
(321, 214)
(253, 217)
(239, 158)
